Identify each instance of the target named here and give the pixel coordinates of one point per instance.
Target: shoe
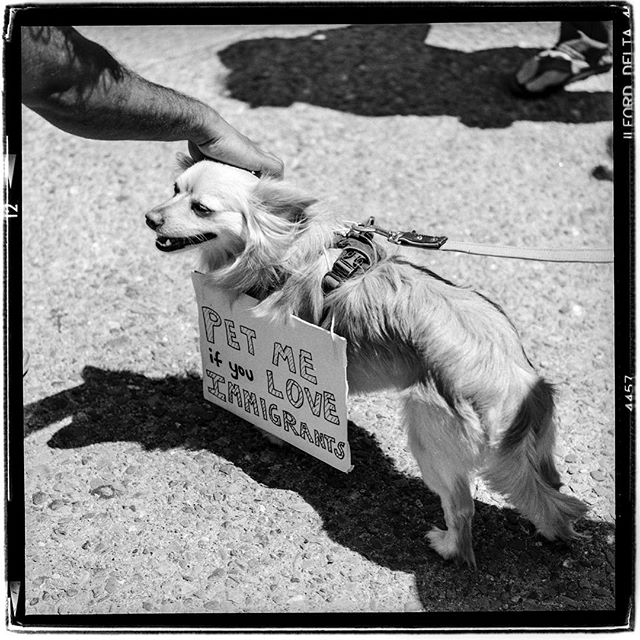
(552, 69)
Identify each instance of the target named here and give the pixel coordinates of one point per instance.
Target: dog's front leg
(438, 442)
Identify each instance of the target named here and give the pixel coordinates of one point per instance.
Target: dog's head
(221, 210)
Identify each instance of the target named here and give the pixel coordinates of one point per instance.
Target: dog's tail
(523, 469)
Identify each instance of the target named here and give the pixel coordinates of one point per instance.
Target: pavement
(141, 497)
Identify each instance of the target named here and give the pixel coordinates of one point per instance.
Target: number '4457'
(628, 389)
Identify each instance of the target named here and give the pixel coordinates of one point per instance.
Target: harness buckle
(358, 255)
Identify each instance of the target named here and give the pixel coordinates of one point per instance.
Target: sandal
(552, 69)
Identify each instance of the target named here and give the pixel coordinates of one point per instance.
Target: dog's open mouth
(175, 244)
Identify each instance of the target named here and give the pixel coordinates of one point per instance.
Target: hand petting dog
(78, 86)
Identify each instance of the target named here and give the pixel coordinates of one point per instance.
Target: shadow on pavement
(385, 70)
(376, 510)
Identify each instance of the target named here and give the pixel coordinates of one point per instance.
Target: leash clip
(403, 238)
(414, 239)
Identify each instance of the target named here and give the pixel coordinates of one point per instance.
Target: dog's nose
(154, 219)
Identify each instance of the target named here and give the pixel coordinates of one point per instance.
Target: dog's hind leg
(522, 468)
(442, 445)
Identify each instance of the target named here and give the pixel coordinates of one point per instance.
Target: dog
(472, 401)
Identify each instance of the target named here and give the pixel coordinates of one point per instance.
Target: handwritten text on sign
(288, 379)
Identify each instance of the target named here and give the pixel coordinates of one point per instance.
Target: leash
(442, 243)
(359, 251)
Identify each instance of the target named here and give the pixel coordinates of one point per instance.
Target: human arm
(77, 85)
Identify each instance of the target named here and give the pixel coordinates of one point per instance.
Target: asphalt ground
(141, 497)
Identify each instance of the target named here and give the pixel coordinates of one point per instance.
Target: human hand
(220, 141)
(78, 86)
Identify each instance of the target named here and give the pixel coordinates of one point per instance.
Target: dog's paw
(443, 542)
(447, 545)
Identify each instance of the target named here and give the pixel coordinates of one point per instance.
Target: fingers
(195, 152)
(246, 156)
(273, 166)
(231, 147)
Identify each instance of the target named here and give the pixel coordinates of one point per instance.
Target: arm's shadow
(376, 510)
(386, 70)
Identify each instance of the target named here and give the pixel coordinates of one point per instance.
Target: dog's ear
(184, 161)
(282, 200)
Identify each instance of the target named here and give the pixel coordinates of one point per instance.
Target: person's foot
(552, 69)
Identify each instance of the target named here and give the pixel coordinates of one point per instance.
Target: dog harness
(359, 252)
(358, 255)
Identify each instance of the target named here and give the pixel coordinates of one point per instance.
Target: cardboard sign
(288, 379)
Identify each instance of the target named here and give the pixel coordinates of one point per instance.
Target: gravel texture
(141, 497)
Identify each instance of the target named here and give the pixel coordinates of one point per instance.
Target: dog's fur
(473, 403)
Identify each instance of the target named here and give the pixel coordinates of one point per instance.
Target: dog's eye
(200, 209)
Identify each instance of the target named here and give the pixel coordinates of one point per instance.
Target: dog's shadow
(376, 510)
(386, 70)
